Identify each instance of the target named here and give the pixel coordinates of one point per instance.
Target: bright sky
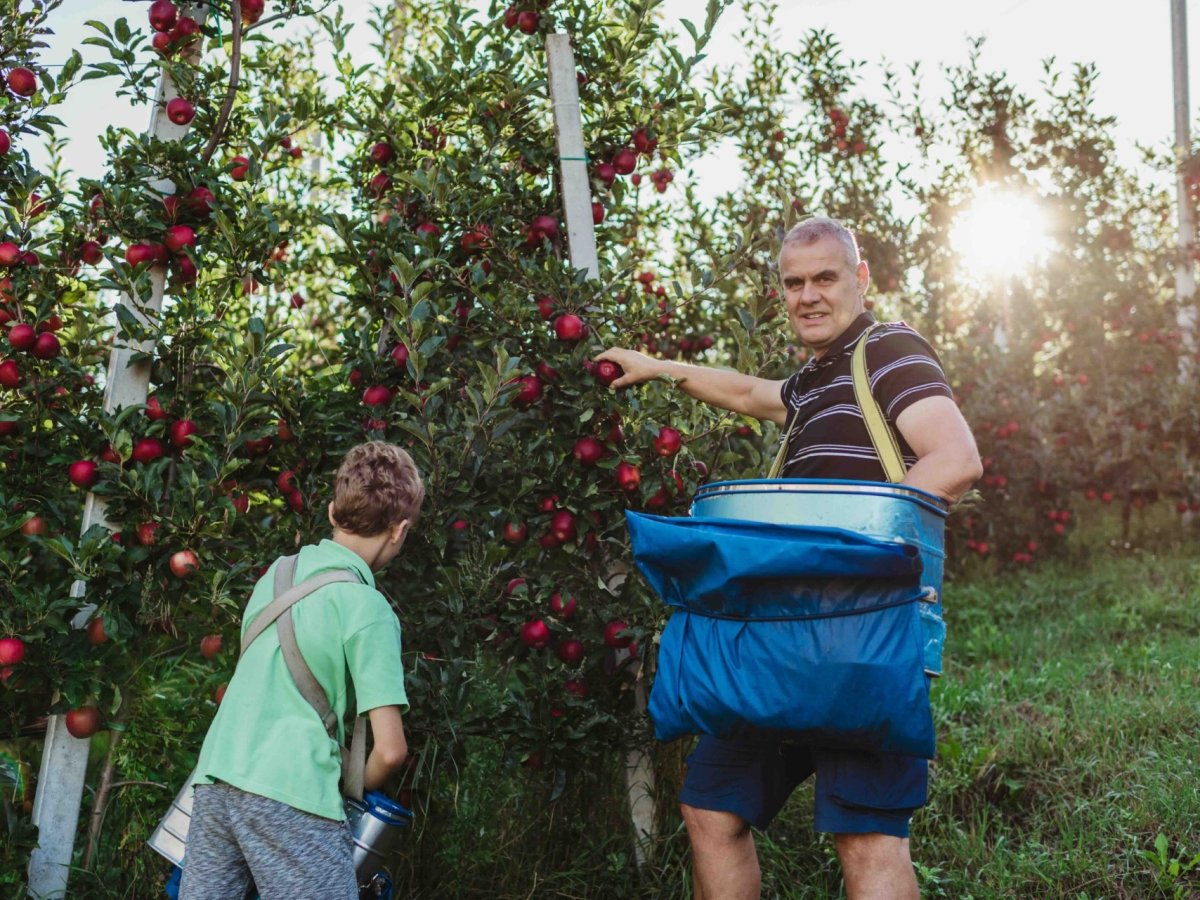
(1130, 43)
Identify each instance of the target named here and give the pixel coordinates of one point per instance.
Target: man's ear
(332, 520)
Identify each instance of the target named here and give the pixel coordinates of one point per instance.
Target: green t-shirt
(266, 739)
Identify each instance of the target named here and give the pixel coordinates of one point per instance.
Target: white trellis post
(1185, 280)
(581, 245)
(64, 758)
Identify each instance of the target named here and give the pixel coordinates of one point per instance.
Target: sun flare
(1001, 233)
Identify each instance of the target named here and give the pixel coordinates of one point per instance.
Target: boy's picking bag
(803, 607)
(170, 836)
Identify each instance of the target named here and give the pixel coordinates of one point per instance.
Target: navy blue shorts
(857, 792)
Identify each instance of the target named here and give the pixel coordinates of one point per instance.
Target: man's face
(823, 291)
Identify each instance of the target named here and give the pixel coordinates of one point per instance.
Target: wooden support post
(581, 247)
(1185, 279)
(64, 758)
(572, 158)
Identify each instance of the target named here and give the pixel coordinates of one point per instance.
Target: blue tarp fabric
(810, 631)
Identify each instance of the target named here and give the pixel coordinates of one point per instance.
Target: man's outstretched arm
(747, 395)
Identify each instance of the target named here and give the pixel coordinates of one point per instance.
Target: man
(865, 799)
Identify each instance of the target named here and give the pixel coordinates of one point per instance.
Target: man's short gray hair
(812, 230)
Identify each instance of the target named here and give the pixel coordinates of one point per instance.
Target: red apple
(562, 526)
(180, 111)
(181, 433)
(12, 651)
(625, 162)
(239, 168)
(83, 722)
(136, 254)
(163, 15)
(513, 586)
(515, 532)
(527, 21)
(381, 153)
(564, 608)
(535, 634)
(578, 688)
(219, 693)
(597, 213)
(179, 236)
(154, 410)
(569, 327)
(10, 254)
(199, 202)
(91, 252)
(96, 635)
(629, 476)
(612, 634)
(5, 142)
(147, 450)
(82, 473)
(379, 184)
(588, 450)
(400, 356)
(606, 173)
(607, 372)
(252, 10)
(668, 442)
(146, 533)
(377, 395)
(183, 563)
(10, 375)
(46, 346)
(187, 269)
(22, 81)
(33, 526)
(210, 645)
(530, 391)
(643, 142)
(22, 336)
(570, 652)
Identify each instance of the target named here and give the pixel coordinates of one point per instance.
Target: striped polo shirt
(830, 438)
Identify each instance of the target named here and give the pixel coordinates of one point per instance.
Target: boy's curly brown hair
(377, 486)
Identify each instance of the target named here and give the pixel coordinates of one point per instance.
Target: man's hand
(638, 367)
(744, 394)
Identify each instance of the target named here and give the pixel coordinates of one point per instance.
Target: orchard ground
(1068, 763)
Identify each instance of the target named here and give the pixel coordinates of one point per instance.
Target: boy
(267, 804)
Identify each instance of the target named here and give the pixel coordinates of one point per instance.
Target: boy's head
(377, 491)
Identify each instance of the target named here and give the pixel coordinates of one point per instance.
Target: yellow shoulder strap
(882, 436)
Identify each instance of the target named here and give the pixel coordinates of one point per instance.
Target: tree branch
(235, 65)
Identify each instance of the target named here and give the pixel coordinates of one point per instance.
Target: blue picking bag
(819, 631)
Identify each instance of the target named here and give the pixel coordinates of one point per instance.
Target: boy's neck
(370, 549)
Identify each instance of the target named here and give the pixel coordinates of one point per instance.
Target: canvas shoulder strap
(882, 436)
(883, 439)
(286, 596)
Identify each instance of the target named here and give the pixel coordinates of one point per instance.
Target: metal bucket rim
(929, 501)
(386, 804)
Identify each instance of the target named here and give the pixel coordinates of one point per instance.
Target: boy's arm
(390, 749)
